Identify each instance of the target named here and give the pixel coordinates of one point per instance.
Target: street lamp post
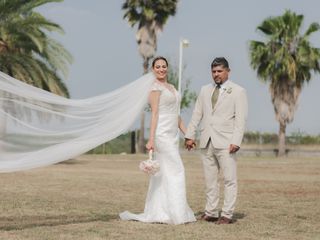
(182, 44)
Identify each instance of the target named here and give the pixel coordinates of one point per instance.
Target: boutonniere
(229, 90)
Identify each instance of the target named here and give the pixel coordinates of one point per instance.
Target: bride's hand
(150, 145)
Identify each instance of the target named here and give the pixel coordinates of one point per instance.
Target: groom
(222, 109)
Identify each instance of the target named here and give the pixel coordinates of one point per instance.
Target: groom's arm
(196, 118)
(241, 113)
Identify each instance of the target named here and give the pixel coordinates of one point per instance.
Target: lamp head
(185, 42)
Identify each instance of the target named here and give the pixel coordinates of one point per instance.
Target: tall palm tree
(286, 61)
(27, 52)
(150, 16)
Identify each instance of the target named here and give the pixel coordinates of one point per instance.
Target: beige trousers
(215, 160)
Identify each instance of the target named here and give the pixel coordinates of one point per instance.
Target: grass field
(81, 198)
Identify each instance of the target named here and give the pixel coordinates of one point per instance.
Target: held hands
(189, 144)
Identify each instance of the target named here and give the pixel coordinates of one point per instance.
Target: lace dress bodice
(169, 102)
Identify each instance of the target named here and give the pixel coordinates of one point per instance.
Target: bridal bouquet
(150, 166)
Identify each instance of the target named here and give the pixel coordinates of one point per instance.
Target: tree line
(122, 143)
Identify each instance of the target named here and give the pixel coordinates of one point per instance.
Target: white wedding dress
(166, 198)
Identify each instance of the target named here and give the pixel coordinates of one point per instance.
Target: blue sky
(106, 56)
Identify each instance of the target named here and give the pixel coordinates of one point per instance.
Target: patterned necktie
(215, 95)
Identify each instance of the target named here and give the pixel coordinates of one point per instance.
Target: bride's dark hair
(159, 58)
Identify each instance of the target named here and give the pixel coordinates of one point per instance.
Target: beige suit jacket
(225, 124)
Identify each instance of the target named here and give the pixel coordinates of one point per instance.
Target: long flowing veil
(38, 128)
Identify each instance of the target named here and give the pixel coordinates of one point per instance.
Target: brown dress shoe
(207, 218)
(224, 220)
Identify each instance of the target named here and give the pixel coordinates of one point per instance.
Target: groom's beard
(219, 81)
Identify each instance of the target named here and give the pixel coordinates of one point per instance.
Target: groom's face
(220, 74)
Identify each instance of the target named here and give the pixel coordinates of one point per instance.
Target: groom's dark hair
(220, 61)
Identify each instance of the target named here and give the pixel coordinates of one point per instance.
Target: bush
(272, 138)
(123, 142)
(260, 138)
(118, 145)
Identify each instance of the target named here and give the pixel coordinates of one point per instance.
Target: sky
(106, 56)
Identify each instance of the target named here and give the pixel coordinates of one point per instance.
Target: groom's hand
(233, 148)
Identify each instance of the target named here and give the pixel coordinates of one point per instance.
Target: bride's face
(160, 69)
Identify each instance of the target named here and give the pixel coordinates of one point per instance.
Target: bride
(166, 198)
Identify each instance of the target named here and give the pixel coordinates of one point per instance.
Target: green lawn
(81, 199)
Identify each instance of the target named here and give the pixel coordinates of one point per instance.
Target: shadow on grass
(70, 162)
(236, 215)
(25, 222)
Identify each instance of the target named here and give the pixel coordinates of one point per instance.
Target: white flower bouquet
(150, 166)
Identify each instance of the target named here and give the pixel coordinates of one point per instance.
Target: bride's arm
(181, 125)
(154, 104)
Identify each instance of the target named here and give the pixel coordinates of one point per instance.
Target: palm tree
(286, 61)
(150, 16)
(26, 51)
